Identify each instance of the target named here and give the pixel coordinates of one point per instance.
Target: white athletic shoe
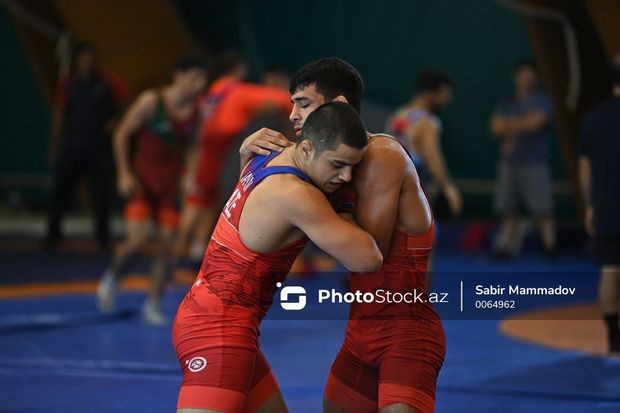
(152, 315)
(106, 292)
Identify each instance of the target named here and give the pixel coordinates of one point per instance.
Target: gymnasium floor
(57, 354)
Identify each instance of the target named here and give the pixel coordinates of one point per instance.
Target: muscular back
(390, 196)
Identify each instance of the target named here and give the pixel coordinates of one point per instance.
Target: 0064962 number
(499, 304)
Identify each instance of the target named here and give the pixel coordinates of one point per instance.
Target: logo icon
(196, 364)
(297, 303)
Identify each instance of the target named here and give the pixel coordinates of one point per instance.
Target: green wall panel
(476, 41)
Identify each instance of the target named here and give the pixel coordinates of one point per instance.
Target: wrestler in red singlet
(158, 165)
(216, 328)
(392, 353)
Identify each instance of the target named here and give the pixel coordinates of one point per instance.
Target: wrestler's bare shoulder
(386, 144)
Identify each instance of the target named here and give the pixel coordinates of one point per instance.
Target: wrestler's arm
(585, 178)
(378, 181)
(504, 126)
(58, 120)
(499, 126)
(135, 117)
(430, 150)
(192, 158)
(261, 142)
(531, 121)
(307, 208)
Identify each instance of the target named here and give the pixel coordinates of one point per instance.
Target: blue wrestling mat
(58, 354)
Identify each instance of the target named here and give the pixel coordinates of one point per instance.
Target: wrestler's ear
(340, 98)
(307, 149)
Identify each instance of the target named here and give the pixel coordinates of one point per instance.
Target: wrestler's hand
(188, 184)
(453, 196)
(588, 221)
(262, 142)
(344, 200)
(127, 184)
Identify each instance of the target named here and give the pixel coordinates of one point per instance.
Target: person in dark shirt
(522, 122)
(85, 105)
(599, 171)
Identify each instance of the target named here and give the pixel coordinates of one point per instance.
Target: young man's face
(442, 97)
(86, 62)
(525, 78)
(191, 81)
(305, 101)
(332, 167)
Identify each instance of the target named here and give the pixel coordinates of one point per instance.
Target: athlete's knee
(135, 245)
(264, 395)
(137, 236)
(128, 249)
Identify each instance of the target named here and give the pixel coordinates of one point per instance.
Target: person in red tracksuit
(226, 109)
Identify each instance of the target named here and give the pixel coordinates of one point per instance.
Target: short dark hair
(431, 80)
(83, 47)
(525, 64)
(226, 61)
(332, 124)
(192, 61)
(615, 72)
(79, 49)
(332, 77)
